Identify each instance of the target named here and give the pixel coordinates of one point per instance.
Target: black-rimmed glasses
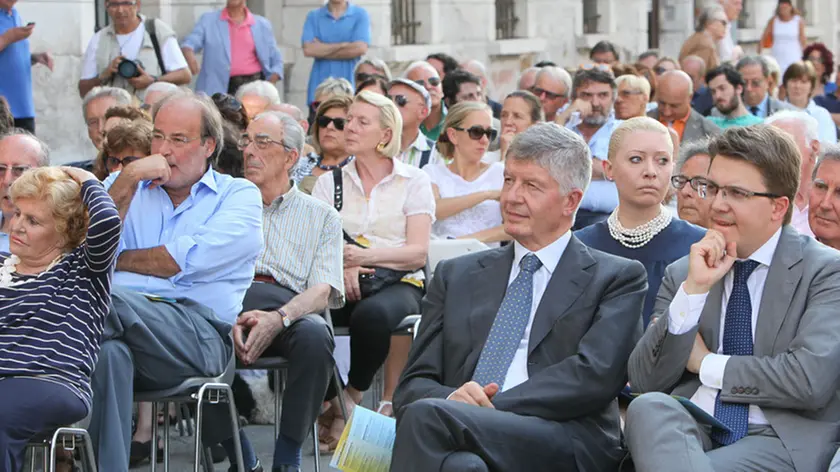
(112, 161)
(709, 189)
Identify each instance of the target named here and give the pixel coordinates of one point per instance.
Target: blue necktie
(737, 341)
(509, 326)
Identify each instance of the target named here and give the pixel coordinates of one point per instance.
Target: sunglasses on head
(433, 82)
(476, 132)
(324, 121)
(223, 100)
(362, 76)
(400, 100)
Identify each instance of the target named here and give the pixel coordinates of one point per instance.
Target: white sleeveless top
(786, 47)
(485, 215)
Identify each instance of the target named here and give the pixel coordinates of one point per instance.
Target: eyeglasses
(708, 189)
(476, 132)
(338, 123)
(678, 181)
(433, 82)
(176, 141)
(17, 171)
(400, 100)
(223, 100)
(112, 161)
(628, 93)
(361, 77)
(549, 95)
(261, 141)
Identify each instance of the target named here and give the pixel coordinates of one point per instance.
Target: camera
(129, 69)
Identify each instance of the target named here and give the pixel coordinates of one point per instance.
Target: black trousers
(308, 346)
(371, 323)
(25, 123)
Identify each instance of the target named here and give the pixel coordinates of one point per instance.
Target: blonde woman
(632, 96)
(387, 209)
(640, 162)
(466, 188)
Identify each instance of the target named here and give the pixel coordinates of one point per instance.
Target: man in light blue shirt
(190, 241)
(19, 151)
(336, 35)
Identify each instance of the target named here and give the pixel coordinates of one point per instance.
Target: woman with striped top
(54, 295)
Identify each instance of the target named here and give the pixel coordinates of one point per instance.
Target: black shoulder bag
(152, 30)
(369, 284)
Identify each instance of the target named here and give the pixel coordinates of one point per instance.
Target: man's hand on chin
(472, 393)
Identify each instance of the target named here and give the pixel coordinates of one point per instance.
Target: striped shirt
(51, 324)
(303, 245)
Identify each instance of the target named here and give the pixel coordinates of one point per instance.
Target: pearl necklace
(9, 267)
(637, 237)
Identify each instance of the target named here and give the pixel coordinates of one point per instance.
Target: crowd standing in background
(671, 221)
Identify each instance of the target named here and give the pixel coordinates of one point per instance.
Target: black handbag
(369, 284)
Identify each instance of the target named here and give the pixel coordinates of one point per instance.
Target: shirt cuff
(179, 250)
(684, 311)
(712, 369)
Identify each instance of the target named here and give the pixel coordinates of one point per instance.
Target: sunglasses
(476, 132)
(362, 76)
(549, 95)
(112, 161)
(324, 121)
(400, 100)
(223, 100)
(433, 82)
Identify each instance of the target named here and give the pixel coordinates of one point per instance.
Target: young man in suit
(523, 349)
(746, 328)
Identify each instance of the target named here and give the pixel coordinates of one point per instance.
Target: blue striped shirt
(51, 324)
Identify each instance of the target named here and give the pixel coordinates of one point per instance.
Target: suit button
(748, 390)
(755, 391)
(734, 390)
(740, 390)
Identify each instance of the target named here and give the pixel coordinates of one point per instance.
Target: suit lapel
(223, 29)
(568, 281)
(693, 127)
(782, 278)
(488, 283)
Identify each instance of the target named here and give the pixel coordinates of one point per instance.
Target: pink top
(243, 52)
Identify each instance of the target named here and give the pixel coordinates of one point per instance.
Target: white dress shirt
(549, 256)
(684, 315)
(799, 220)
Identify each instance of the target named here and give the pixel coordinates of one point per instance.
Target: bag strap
(427, 154)
(151, 29)
(338, 193)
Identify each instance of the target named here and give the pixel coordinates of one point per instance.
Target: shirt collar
(347, 13)
(286, 197)
(764, 254)
(765, 104)
(249, 17)
(207, 180)
(420, 142)
(110, 28)
(401, 169)
(10, 12)
(549, 255)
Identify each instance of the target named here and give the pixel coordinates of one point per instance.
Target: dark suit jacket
(584, 329)
(496, 107)
(696, 127)
(702, 101)
(794, 374)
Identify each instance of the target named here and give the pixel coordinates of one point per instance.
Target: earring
(380, 147)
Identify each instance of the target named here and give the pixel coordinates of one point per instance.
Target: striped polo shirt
(51, 324)
(303, 245)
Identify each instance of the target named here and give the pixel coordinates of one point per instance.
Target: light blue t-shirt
(16, 69)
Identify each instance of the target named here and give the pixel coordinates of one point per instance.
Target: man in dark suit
(673, 97)
(757, 97)
(746, 327)
(523, 349)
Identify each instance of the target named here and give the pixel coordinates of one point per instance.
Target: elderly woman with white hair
(371, 67)
(387, 208)
(330, 87)
(632, 96)
(257, 96)
(55, 286)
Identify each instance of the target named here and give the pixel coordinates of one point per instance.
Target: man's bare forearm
(122, 192)
(177, 77)
(155, 261)
(321, 50)
(350, 51)
(312, 300)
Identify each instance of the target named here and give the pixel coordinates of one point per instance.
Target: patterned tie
(509, 326)
(737, 341)
(754, 111)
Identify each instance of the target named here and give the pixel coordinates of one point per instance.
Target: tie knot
(530, 263)
(754, 110)
(743, 269)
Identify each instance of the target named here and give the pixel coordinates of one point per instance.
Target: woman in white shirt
(799, 81)
(786, 32)
(387, 209)
(466, 189)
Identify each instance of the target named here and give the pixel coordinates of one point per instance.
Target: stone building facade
(507, 35)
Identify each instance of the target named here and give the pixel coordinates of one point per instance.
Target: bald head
(292, 111)
(673, 95)
(528, 78)
(476, 68)
(18, 150)
(677, 81)
(695, 67)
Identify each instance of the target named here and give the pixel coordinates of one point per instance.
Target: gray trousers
(444, 435)
(149, 346)
(661, 433)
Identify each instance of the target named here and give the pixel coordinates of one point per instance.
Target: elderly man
(604, 52)
(123, 54)
(257, 96)
(553, 86)
(97, 101)
(805, 132)
(425, 75)
(746, 328)
(691, 168)
(156, 92)
(824, 203)
(190, 242)
(711, 27)
(477, 68)
(757, 99)
(298, 276)
(239, 47)
(527, 79)
(648, 58)
(727, 86)
(556, 321)
(297, 114)
(695, 67)
(673, 99)
(19, 151)
(414, 103)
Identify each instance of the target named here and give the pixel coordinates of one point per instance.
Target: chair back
(442, 249)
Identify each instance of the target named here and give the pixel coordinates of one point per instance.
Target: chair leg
(339, 389)
(316, 456)
(32, 459)
(90, 459)
(208, 460)
(224, 393)
(154, 435)
(279, 378)
(165, 438)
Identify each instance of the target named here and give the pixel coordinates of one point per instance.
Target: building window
(590, 17)
(102, 19)
(506, 19)
(744, 18)
(404, 24)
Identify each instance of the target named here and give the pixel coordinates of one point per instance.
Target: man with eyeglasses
(757, 99)
(824, 202)
(414, 103)
(19, 152)
(94, 106)
(746, 328)
(673, 98)
(553, 87)
(132, 52)
(189, 246)
(422, 73)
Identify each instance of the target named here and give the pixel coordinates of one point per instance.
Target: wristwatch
(286, 320)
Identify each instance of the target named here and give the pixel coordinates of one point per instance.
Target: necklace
(335, 166)
(637, 237)
(9, 267)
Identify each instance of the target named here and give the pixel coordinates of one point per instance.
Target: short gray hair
(812, 126)
(163, 87)
(559, 74)
(690, 149)
(43, 149)
(211, 119)
(334, 86)
(561, 152)
(479, 66)
(376, 63)
(754, 61)
(260, 88)
(709, 14)
(417, 64)
(828, 152)
(293, 136)
(121, 96)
